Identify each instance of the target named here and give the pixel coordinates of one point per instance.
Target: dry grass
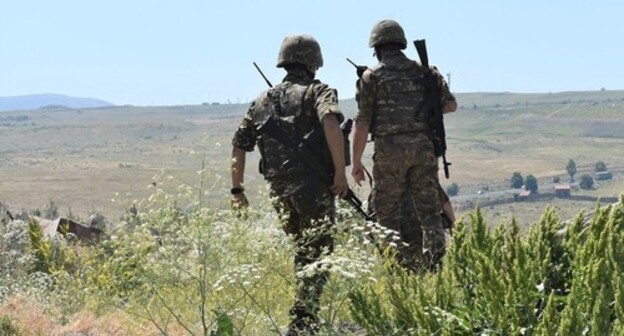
(31, 318)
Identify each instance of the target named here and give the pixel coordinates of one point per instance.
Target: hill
(36, 101)
(81, 158)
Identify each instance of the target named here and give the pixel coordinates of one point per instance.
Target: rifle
(308, 154)
(262, 74)
(432, 106)
(359, 69)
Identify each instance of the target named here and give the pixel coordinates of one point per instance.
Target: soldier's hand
(357, 171)
(239, 201)
(340, 186)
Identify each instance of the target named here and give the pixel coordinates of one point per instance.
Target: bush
(600, 167)
(499, 282)
(517, 181)
(8, 327)
(587, 182)
(530, 183)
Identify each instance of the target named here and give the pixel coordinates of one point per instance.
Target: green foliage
(224, 327)
(8, 327)
(453, 189)
(517, 181)
(587, 182)
(500, 283)
(571, 168)
(40, 247)
(530, 183)
(600, 167)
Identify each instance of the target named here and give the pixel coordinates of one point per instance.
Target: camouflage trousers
(406, 198)
(307, 212)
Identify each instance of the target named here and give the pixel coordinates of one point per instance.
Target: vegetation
(571, 168)
(600, 167)
(517, 181)
(183, 266)
(587, 182)
(530, 183)
(497, 282)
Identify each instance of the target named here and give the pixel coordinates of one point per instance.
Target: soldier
(305, 204)
(390, 95)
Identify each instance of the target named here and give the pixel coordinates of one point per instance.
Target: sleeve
(327, 102)
(245, 136)
(366, 94)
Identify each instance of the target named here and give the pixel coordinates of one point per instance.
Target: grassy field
(212, 271)
(82, 159)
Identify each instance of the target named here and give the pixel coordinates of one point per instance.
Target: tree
(517, 180)
(556, 179)
(571, 167)
(600, 167)
(530, 183)
(453, 189)
(587, 182)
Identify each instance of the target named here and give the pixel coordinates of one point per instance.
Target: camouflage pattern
(406, 194)
(405, 168)
(301, 49)
(304, 202)
(412, 232)
(387, 31)
(390, 95)
(307, 212)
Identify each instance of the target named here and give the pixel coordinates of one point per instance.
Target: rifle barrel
(262, 74)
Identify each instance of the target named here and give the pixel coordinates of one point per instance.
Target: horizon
(155, 53)
(39, 95)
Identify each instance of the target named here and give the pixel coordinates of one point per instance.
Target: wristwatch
(237, 190)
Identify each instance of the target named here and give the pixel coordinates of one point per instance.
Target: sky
(156, 52)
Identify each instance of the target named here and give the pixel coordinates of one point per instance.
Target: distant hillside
(32, 102)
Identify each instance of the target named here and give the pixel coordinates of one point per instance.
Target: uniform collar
(298, 76)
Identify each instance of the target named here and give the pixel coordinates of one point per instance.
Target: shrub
(600, 167)
(587, 182)
(530, 183)
(498, 282)
(517, 181)
(8, 327)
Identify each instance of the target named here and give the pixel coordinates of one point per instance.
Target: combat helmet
(387, 31)
(302, 49)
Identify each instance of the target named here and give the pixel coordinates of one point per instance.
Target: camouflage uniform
(405, 167)
(304, 202)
